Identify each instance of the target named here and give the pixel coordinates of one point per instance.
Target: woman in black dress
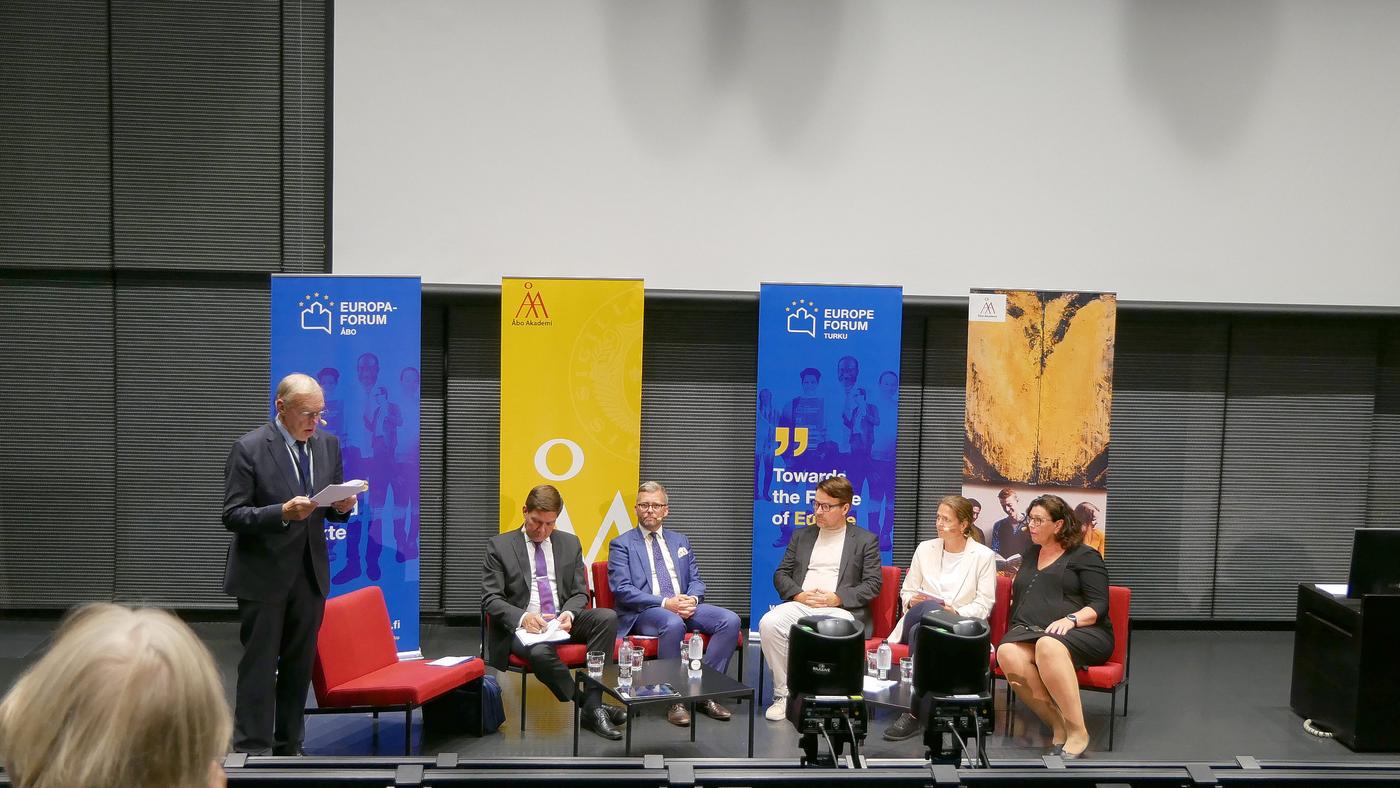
(1059, 622)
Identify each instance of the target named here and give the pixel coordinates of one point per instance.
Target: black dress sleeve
(1088, 566)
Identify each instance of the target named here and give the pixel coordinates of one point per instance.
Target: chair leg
(524, 682)
(408, 730)
(1010, 706)
(758, 699)
(1125, 699)
(1112, 716)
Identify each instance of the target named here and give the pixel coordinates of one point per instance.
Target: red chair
(1113, 674)
(603, 597)
(573, 655)
(358, 669)
(884, 612)
(996, 621)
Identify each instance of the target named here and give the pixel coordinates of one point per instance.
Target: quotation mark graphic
(799, 434)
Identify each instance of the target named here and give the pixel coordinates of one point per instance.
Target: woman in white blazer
(953, 572)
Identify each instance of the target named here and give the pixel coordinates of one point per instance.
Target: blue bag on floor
(474, 708)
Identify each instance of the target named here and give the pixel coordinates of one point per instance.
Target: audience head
(1058, 517)
(123, 697)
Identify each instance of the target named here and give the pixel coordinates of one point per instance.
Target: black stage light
(953, 685)
(826, 662)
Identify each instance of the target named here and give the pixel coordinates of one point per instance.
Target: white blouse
(966, 580)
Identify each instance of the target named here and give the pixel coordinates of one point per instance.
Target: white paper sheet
(447, 662)
(551, 634)
(336, 492)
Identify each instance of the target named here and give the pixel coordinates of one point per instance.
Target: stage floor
(1196, 696)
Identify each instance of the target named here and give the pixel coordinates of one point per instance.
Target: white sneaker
(778, 711)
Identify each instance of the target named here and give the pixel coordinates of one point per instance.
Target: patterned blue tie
(663, 577)
(304, 465)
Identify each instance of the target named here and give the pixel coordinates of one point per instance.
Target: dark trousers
(595, 626)
(279, 650)
(912, 619)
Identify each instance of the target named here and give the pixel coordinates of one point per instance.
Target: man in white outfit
(830, 570)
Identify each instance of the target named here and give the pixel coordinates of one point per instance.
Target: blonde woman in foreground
(123, 697)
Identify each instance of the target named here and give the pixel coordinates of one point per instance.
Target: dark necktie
(304, 465)
(542, 581)
(663, 577)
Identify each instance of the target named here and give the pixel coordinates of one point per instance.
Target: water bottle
(624, 664)
(882, 659)
(695, 652)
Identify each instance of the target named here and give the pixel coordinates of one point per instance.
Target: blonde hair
(123, 697)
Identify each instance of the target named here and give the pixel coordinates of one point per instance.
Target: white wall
(1243, 151)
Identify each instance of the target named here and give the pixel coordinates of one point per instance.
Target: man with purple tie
(658, 591)
(534, 575)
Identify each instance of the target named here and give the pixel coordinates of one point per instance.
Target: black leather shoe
(617, 715)
(288, 751)
(906, 727)
(597, 720)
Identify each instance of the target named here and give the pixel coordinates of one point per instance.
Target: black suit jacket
(505, 586)
(265, 557)
(859, 581)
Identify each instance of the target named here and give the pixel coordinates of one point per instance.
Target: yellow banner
(571, 402)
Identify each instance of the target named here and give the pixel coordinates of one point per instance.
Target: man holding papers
(277, 564)
(534, 584)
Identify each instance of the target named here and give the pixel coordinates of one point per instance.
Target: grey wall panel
(698, 412)
(56, 392)
(941, 423)
(1164, 468)
(55, 177)
(430, 537)
(1297, 448)
(471, 482)
(304, 136)
(191, 377)
(196, 130)
(907, 531)
(1383, 483)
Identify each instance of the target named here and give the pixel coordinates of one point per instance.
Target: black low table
(711, 685)
(898, 696)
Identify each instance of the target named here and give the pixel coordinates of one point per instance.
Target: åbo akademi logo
(532, 310)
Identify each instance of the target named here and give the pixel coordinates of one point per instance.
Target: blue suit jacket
(629, 574)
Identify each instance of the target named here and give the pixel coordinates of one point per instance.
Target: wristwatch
(1073, 619)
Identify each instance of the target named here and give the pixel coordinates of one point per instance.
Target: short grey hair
(297, 385)
(653, 487)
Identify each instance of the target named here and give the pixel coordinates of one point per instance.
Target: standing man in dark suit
(657, 591)
(533, 575)
(277, 565)
(830, 570)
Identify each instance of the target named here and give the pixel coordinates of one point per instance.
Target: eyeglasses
(826, 507)
(650, 507)
(1040, 520)
(309, 414)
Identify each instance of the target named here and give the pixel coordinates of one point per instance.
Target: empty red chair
(358, 669)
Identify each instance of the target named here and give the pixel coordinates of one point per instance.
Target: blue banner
(360, 336)
(828, 404)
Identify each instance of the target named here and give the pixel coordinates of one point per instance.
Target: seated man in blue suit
(658, 591)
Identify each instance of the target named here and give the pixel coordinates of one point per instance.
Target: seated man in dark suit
(830, 570)
(533, 575)
(658, 591)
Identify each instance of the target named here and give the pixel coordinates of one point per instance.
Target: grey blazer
(859, 581)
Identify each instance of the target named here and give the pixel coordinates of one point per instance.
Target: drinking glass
(595, 664)
(872, 665)
(906, 670)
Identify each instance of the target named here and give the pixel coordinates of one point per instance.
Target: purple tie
(663, 577)
(542, 581)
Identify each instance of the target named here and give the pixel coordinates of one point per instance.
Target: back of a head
(123, 697)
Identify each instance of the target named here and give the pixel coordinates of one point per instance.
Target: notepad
(447, 662)
(551, 634)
